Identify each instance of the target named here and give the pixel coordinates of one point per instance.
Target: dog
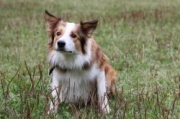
(77, 64)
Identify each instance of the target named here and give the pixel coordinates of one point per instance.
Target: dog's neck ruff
(86, 66)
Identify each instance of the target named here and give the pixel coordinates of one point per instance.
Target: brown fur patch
(51, 22)
(80, 40)
(102, 60)
(60, 26)
(98, 56)
(110, 78)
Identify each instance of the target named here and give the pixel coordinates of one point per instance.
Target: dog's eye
(73, 36)
(58, 33)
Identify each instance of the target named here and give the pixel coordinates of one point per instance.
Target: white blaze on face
(66, 37)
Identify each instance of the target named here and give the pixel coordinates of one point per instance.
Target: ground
(140, 37)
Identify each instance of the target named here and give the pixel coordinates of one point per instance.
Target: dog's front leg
(102, 95)
(55, 85)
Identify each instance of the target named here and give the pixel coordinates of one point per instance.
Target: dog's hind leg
(110, 79)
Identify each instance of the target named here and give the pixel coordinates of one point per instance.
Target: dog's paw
(53, 109)
(49, 112)
(105, 109)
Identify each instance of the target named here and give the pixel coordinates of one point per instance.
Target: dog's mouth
(62, 50)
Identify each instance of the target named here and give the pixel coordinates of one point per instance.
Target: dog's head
(68, 38)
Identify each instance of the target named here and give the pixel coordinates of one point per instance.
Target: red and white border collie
(77, 64)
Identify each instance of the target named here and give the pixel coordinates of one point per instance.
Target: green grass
(141, 38)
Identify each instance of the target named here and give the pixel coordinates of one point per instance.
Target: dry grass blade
(74, 111)
(173, 106)
(7, 89)
(30, 76)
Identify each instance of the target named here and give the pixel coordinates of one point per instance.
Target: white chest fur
(76, 84)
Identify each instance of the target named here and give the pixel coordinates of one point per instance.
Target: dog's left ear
(51, 20)
(88, 26)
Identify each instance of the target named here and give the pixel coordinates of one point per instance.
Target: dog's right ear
(51, 20)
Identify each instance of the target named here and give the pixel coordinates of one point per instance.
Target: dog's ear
(51, 20)
(88, 27)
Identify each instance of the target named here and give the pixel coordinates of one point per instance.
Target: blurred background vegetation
(141, 38)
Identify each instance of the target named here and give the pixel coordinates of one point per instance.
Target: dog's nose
(61, 44)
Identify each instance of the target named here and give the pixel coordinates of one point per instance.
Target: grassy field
(141, 38)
